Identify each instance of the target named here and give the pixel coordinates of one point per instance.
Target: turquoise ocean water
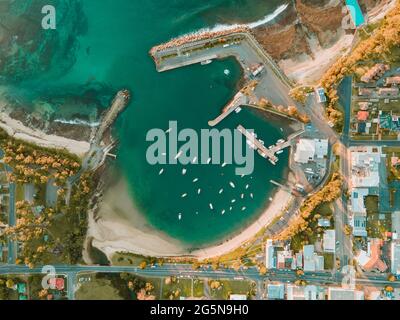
(113, 50)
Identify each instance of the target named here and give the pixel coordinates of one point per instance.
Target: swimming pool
(355, 12)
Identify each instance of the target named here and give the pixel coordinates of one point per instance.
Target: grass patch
(175, 288)
(228, 287)
(329, 261)
(378, 225)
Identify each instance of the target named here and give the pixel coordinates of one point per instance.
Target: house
(361, 127)
(392, 80)
(312, 261)
(359, 224)
(238, 297)
(329, 241)
(365, 91)
(363, 105)
(395, 257)
(276, 291)
(285, 259)
(57, 283)
(375, 72)
(388, 92)
(270, 262)
(335, 293)
(371, 260)
(21, 288)
(362, 115)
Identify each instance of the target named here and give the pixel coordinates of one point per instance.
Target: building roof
(276, 291)
(321, 147)
(357, 200)
(395, 257)
(270, 262)
(329, 241)
(376, 71)
(365, 166)
(305, 151)
(238, 297)
(371, 260)
(393, 80)
(388, 91)
(362, 115)
(344, 294)
(363, 105)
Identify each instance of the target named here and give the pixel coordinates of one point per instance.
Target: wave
(269, 17)
(78, 122)
(252, 25)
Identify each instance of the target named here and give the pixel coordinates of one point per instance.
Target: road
(185, 270)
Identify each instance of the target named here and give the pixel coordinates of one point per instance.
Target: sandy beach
(18, 130)
(122, 228)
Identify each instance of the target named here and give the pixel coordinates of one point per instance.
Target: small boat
(232, 184)
(211, 206)
(251, 195)
(233, 200)
(180, 216)
(161, 172)
(197, 212)
(221, 190)
(238, 109)
(184, 171)
(223, 165)
(247, 186)
(195, 180)
(281, 129)
(184, 195)
(279, 152)
(179, 154)
(242, 196)
(198, 191)
(205, 62)
(223, 211)
(281, 141)
(270, 199)
(230, 208)
(244, 208)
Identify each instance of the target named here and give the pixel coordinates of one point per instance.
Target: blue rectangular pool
(355, 12)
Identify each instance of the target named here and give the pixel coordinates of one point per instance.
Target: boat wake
(78, 122)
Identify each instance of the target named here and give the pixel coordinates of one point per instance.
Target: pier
(238, 100)
(270, 152)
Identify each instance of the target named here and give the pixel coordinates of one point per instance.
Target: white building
(395, 257)
(270, 261)
(310, 292)
(310, 149)
(238, 297)
(329, 241)
(365, 163)
(344, 294)
(276, 291)
(312, 261)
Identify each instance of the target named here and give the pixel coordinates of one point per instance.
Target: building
(371, 260)
(344, 294)
(375, 72)
(321, 148)
(329, 241)
(312, 261)
(310, 292)
(270, 261)
(237, 297)
(276, 291)
(362, 115)
(323, 222)
(365, 91)
(395, 257)
(365, 163)
(392, 80)
(57, 283)
(388, 92)
(285, 259)
(320, 95)
(309, 149)
(363, 105)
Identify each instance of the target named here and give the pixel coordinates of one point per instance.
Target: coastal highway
(186, 271)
